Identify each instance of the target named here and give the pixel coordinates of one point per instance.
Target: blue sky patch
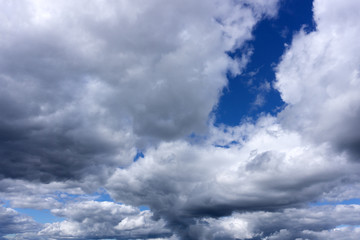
(252, 93)
(41, 216)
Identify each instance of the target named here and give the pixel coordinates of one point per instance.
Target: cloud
(91, 219)
(340, 233)
(85, 84)
(319, 78)
(24, 194)
(184, 182)
(312, 223)
(12, 222)
(276, 163)
(98, 220)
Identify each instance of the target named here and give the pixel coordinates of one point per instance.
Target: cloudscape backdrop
(179, 120)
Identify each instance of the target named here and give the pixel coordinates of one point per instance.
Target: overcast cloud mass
(107, 121)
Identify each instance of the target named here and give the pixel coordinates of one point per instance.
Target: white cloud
(319, 78)
(91, 219)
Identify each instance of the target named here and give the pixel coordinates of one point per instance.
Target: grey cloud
(317, 222)
(83, 87)
(108, 220)
(341, 233)
(298, 222)
(183, 183)
(11, 222)
(24, 194)
(99, 220)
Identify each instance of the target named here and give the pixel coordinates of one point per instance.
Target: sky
(179, 120)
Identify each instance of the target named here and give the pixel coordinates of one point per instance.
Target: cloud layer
(85, 86)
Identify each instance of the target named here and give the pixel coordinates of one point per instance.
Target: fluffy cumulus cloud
(319, 78)
(85, 85)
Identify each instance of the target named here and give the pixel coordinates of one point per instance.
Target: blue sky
(270, 37)
(179, 120)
